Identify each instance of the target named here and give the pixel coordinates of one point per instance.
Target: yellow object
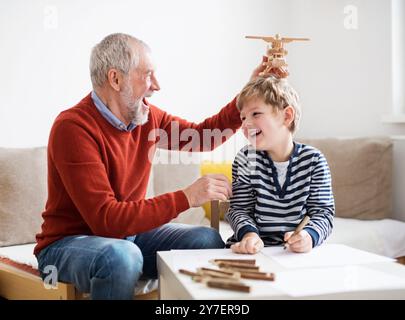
(208, 167)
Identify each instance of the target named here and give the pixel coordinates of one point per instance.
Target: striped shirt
(259, 204)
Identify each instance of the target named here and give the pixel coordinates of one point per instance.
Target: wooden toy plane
(275, 54)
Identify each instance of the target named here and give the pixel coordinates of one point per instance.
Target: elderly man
(99, 231)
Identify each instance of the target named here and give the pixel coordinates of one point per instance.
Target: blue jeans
(110, 268)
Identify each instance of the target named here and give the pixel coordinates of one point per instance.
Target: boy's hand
(301, 242)
(251, 243)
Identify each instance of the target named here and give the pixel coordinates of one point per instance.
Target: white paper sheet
(323, 256)
(310, 282)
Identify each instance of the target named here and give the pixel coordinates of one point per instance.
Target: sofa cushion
(361, 171)
(23, 193)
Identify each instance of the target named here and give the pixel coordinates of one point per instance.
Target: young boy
(276, 180)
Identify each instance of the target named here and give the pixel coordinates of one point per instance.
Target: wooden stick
(228, 273)
(233, 269)
(228, 286)
(245, 261)
(205, 278)
(245, 271)
(218, 273)
(237, 265)
(187, 272)
(256, 276)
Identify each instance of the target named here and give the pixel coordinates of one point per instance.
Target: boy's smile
(261, 124)
(265, 128)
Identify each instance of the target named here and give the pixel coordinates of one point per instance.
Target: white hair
(116, 51)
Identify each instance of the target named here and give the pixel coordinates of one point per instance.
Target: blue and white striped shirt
(259, 204)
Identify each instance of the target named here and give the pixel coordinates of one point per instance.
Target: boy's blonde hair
(275, 92)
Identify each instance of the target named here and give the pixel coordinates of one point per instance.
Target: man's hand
(278, 72)
(251, 243)
(207, 188)
(301, 242)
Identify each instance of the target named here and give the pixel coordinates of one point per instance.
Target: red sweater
(97, 174)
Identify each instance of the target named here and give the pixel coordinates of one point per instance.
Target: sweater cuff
(181, 201)
(314, 235)
(244, 230)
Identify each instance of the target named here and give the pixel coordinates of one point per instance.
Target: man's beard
(137, 111)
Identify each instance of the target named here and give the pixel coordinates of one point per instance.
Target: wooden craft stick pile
(229, 274)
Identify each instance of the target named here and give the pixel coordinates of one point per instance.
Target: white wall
(199, 47)
(398, 56)
(343, 75)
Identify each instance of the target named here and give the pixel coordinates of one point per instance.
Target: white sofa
(362, 222)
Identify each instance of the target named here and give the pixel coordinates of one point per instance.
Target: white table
(334, 272)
